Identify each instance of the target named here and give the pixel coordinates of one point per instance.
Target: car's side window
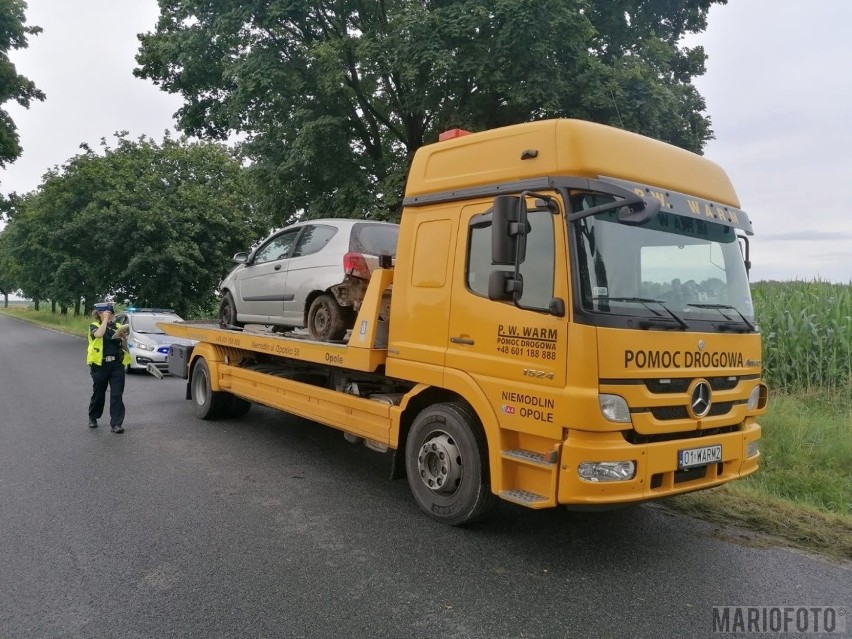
(278, 248)
(313, 239)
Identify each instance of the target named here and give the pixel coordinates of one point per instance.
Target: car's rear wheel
(326, 319)
(228, 311)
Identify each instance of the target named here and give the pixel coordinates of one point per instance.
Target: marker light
(753, 448)
(614, 408)
(607, 471)
(452, 134)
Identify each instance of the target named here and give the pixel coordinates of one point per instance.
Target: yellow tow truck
(567, 321)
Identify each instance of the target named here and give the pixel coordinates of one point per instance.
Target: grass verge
(802, 493)
(44, 317)
(785, 522)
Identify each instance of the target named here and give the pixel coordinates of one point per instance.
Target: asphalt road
(271, 526)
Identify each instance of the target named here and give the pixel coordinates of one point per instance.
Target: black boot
(93, 423)
(117, 428)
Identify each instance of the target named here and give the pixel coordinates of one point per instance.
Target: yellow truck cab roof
(564, 147)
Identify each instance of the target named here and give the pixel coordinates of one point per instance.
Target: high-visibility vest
(95, 352)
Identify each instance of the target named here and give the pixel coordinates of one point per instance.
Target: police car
(146, 341)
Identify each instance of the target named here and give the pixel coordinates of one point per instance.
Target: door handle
(462, 340)
(277, 267)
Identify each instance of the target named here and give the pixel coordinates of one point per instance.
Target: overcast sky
(778, 89)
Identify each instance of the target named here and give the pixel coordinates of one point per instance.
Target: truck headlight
(754, 398)
(614, 408)
(607, 471)
(753, 448)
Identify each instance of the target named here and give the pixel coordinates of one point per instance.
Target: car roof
(340, 222)
(148, 312)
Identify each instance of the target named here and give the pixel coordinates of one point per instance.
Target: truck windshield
(675, 270)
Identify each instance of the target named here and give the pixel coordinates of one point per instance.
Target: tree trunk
(5, 300)
(36, 304)
(53, 306)
(63, 310)
(77, 307)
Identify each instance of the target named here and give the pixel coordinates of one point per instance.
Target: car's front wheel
(228, 311)
(327, 319)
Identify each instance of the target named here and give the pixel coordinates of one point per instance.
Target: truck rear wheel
(326, 319)
(208, 404)
(228, 311)
(446, 462)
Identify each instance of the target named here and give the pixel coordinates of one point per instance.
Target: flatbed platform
(365, 349)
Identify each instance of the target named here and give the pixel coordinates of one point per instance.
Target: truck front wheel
(447, 464)
(208, 404)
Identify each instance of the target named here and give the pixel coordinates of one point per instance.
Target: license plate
(692, 457)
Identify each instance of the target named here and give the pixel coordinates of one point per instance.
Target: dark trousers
(108, 374)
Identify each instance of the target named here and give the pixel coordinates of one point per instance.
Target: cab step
(525, 498)
(531, 457)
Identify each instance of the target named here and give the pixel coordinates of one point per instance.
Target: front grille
(722, 408)
(668, 413)
(676, 385)
(723, 383)
(681, 384)
(632, 437)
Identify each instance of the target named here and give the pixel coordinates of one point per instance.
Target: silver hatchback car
(312, 274)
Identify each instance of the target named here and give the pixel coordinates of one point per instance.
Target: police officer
(107, 358)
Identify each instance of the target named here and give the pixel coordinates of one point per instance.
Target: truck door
(517, 355)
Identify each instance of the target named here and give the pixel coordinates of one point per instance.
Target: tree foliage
(334, 98)
(13, 86)
(155, 224)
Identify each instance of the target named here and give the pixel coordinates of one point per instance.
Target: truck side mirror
(744, 249)
(508, 230)
(504, 285)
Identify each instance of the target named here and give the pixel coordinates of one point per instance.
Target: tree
(335, 98)
(13, 86)
(153, 223)
(8, 281)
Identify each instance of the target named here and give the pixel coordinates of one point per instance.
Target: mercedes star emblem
(701, 399)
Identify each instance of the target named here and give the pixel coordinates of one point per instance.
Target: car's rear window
(374, 239)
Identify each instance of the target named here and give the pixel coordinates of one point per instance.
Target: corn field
(807, 335)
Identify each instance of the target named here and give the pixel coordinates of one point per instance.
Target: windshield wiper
(721, 307)
(644, 301)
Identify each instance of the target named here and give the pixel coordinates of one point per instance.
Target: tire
(238, 407)
(326, 319)
(228, 311)
(208, 404)
(446, 461)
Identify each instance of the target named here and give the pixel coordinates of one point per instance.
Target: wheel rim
(440, 463)
(200, 389)
(321, 319)
(227, 312)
